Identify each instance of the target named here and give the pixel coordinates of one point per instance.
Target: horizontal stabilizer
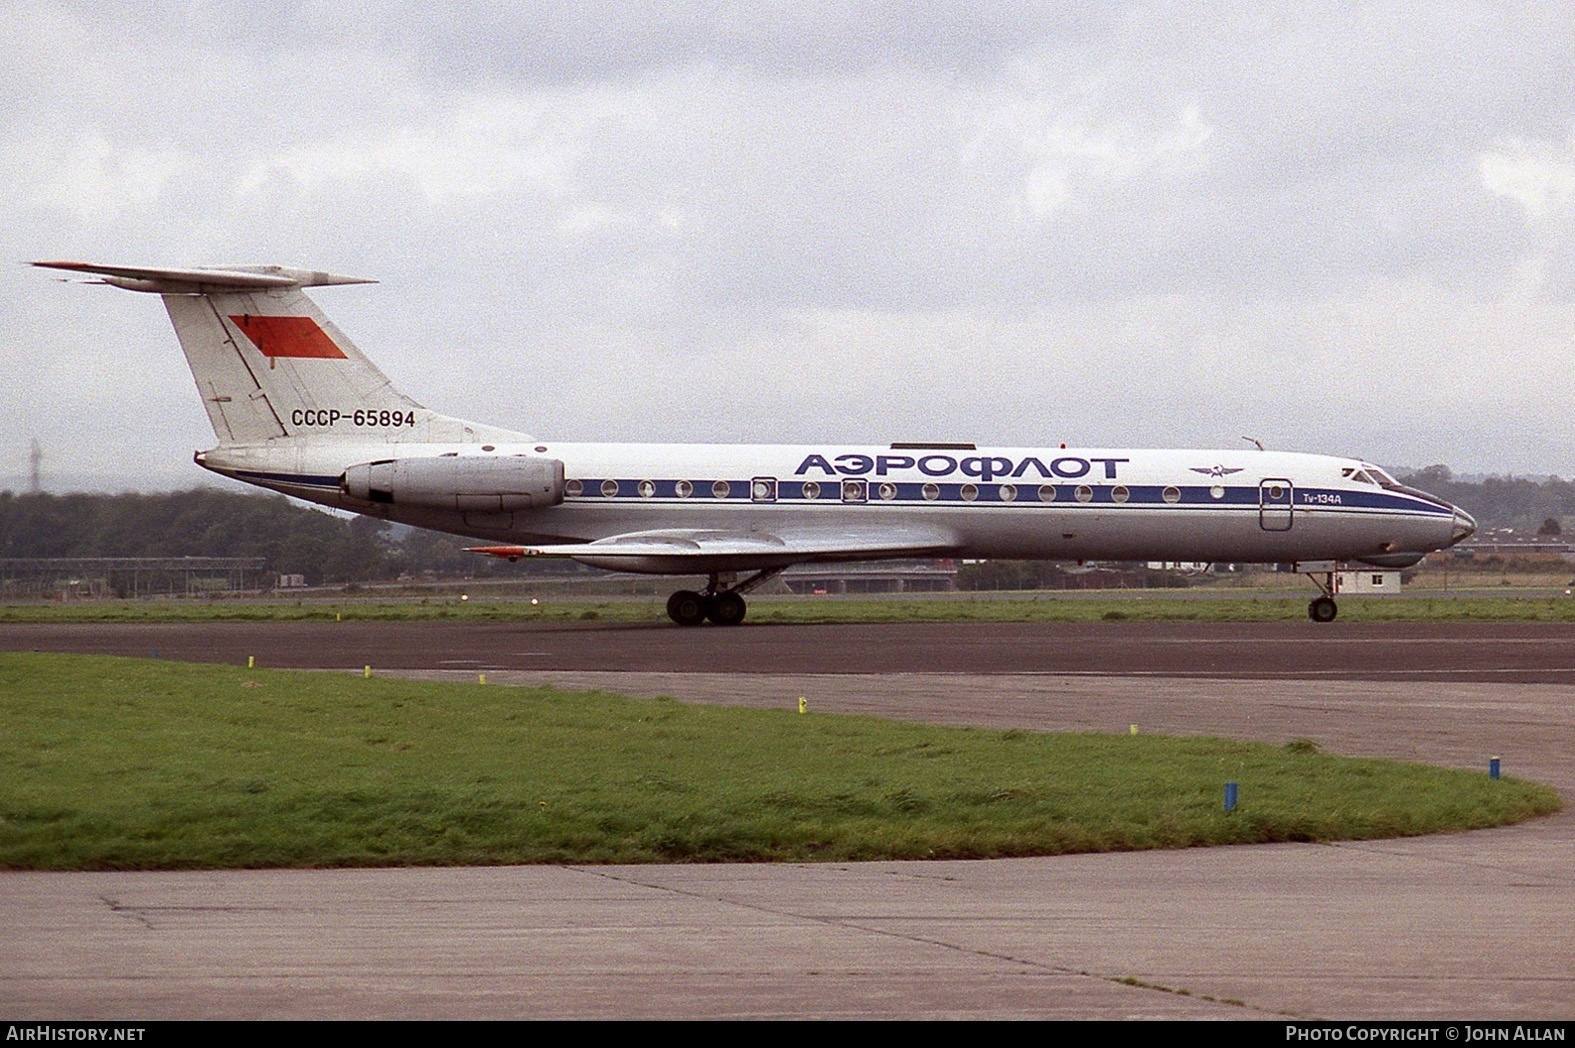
(203, 281)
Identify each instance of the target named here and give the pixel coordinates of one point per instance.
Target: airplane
(298, 409)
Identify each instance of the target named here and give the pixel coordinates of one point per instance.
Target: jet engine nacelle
(471, 484)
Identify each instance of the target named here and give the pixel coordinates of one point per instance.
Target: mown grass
(132, 764)
(1031, 608)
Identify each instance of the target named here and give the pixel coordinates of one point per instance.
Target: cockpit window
(1373, 475)
(1384, 479)
(1361, 477)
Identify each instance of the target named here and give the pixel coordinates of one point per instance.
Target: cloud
(576, 42)
(90, 178)
(1134, 222)
(1538, 176)
(480, 147)
(1067, 159)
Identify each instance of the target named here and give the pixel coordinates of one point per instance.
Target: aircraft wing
(694, 549)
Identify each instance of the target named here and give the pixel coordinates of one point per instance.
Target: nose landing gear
(1322, 609)
(722, 601)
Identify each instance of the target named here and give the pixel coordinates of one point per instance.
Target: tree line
(1521, 503)
(291, 538)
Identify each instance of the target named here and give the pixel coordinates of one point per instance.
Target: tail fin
(269, 364)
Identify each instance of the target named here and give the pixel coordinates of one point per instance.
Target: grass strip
(135, 764)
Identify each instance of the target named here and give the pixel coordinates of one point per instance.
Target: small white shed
(1368, 580)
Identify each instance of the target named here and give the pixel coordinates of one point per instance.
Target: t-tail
(272, 369)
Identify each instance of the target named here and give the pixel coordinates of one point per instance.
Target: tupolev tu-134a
(297, 408)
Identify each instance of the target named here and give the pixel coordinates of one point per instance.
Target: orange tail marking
(288, 337)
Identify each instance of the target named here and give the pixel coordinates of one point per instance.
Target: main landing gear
(722, 601)
(1323, 609)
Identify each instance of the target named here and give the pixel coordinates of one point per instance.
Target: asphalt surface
(1511, 653)
(1477, 926)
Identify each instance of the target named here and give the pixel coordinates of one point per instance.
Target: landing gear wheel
(686, 608)
(1323, 609)
(727, 609)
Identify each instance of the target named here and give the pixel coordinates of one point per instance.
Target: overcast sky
(1335, 227)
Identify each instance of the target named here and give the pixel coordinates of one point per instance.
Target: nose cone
(1464, 526)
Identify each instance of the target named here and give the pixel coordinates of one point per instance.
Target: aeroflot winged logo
(298, 337)
(1215, 471)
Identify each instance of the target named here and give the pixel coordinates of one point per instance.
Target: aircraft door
(1275, 509)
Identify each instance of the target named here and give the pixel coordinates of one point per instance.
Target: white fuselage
(1031, 503)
